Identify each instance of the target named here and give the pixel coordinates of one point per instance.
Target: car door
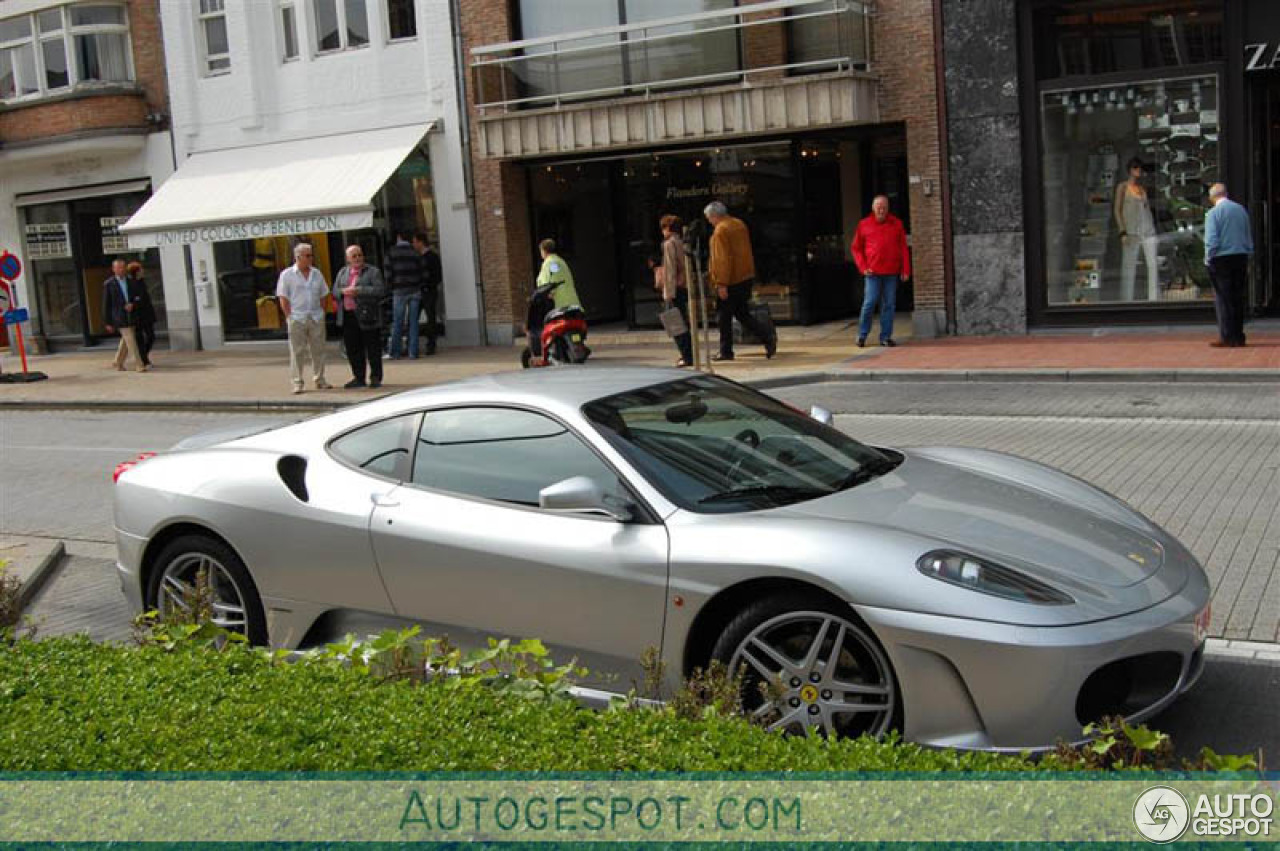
(464, 547)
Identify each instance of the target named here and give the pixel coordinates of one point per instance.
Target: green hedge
(71, 705)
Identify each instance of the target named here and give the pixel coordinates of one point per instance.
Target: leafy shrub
(68, 704)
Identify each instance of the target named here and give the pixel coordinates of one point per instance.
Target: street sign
(10, 266)
(13, 317)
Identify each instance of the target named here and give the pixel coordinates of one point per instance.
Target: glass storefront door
(70, 246)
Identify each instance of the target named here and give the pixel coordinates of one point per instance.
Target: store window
(1128, 108)
(60, 49)
(756, 182)
(69, 248)
(340, 24)
(609, 64)
(247, 270)
(1127, 170)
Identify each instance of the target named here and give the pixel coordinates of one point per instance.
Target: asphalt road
(1201, 460)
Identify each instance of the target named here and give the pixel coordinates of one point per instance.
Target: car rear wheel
(810, 667)
(235, 601)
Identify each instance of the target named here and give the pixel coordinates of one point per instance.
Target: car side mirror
(822, 415)
(581, 494)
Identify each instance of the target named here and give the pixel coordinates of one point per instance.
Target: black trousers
(1230, 276)
(736, 306)
(431, 304)
(146, 335)
(364, 345)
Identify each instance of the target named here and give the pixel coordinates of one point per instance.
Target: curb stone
(36, 577)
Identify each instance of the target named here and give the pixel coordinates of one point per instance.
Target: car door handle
(382, 500)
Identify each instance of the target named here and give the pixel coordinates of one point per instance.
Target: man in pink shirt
(880, 250)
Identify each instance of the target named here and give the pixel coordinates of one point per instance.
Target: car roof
(571, 386)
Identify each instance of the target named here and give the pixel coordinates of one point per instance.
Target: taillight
(127, 465)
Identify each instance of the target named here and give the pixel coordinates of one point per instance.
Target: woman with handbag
(669, 279)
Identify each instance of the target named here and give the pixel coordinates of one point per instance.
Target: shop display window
(1127, 169)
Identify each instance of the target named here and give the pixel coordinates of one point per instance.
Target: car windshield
(713, 446)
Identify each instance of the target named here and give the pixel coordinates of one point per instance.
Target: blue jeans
(884, 289)
(405, 305)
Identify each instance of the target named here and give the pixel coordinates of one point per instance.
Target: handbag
(673, 321)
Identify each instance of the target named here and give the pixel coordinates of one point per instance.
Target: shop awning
(280, 189)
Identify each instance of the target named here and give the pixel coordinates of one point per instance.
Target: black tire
(860, 664)
(562, 351)
(187, 553)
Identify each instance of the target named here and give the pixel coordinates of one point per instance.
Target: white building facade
(333, 122)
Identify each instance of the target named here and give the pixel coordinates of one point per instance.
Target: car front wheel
(808, 666)
(234, 599)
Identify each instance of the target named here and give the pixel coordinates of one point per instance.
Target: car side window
(381, 448)
(503, 454)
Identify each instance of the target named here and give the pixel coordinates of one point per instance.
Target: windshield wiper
(866, 473)
(774, 492)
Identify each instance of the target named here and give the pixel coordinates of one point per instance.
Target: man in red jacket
(880, 250)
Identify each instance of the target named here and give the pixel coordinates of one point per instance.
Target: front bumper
(976, 684)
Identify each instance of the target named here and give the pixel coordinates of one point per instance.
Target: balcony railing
(773, 39)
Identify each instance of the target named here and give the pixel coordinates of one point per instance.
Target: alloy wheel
(179, 583)
(813, 672)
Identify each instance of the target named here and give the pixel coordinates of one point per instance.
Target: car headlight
(978, 575)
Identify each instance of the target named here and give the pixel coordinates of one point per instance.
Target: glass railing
(776, 38)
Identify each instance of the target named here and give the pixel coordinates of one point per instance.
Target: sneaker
(297, 391)
(353, 384)
(720, 356)
(888, 343)
(862, 341)
(323, 385)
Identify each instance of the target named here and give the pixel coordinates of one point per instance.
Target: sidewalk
(257, 375)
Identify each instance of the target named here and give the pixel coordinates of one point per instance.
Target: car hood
(1045, 523)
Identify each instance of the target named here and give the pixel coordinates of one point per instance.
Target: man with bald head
(879, 249)
(1228, 244)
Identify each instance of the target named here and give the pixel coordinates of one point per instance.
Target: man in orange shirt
(880, 250)
(732, 271)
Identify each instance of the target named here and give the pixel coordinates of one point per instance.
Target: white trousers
(1129, 266)
(306, 342)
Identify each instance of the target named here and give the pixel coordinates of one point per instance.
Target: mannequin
(1137, 232)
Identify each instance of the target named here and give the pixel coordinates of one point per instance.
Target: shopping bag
(673, 321)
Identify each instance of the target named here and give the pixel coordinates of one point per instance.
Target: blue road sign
(13, 317)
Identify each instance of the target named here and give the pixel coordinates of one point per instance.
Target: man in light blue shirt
(1228, 244)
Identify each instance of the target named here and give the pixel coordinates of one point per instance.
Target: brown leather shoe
(1221, 344)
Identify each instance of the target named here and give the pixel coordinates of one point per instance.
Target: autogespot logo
(1161, 814)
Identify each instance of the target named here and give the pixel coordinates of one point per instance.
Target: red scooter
(557, 336)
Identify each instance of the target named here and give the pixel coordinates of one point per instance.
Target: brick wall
(903, 59)
(502, 209)
(112, 109)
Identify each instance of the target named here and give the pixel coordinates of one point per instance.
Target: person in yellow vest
(555, 271)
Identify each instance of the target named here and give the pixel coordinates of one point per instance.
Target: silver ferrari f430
(968, 598)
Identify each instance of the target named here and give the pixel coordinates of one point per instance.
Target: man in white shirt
(301, 290)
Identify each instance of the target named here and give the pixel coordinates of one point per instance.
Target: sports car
(967, 598)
